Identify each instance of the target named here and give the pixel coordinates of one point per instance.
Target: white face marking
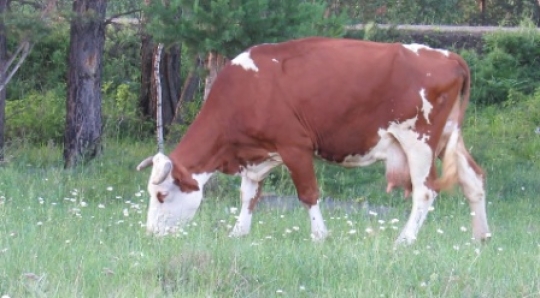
(426, 105)
(415, 47)
(245, 61)
(178, 207)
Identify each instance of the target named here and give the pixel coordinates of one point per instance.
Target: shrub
(38, 118)
(511, 61)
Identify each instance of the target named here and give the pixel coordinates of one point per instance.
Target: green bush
(510, 61)
(38, 118)
(121, 117)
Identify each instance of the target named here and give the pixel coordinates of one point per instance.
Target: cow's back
(330, 94)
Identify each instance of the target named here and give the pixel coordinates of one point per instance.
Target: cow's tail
(465, 89)
(449, 173)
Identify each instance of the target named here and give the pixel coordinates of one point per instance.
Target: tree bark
(171, 81)
(147, 49)
(3, 61)
(190, 88)
(82, 138)
(482, 8)
(159, 98)
(169, 71)
(214, 64)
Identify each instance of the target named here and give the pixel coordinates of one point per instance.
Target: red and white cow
(345, 101)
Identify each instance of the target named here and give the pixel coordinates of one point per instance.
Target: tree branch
(111, 19)
(24, 47)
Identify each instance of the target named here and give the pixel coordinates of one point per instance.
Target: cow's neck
(204, 149)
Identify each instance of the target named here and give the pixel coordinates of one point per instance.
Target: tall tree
(169, 76)
(26, 23)
(220, 29)
(82, 138)
(3, 63)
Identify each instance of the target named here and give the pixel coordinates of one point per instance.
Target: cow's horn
(145, 163)
(161, 171)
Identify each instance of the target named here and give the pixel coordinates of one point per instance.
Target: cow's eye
(161, 195)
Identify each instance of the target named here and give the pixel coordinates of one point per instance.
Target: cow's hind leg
(420, 159)
(300, 164)
(471, 179)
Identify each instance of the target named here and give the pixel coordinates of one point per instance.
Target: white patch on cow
(415, 47)
(473, 188)
(420, 158)
(245, 61)
(318, 228)
(381, 149)
(259, 171)
(248, 191)
(449, 127)
(426, 105)
(275, 60)
(251, 176)
(177, 207)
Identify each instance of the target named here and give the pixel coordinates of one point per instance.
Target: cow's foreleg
(470, 177)
(300, 164)
(250, 190)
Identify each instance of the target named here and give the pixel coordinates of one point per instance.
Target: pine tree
(220, 29)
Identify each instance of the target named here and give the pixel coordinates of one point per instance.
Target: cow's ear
(184, 179)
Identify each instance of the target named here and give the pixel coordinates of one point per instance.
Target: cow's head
(175, 194)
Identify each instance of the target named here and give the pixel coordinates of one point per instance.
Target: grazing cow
(345, 101)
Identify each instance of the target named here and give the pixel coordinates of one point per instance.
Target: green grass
(79, 233)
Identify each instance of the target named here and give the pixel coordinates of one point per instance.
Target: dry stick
(159, 112)
(21, 52)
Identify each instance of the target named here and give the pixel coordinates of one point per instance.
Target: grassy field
(79, 233)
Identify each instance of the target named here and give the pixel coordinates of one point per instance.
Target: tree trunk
(169, 71)
(482, 8)
(214, 64)
(191, 85)
(82, 139)
(147, 49)
(3, 61)
(170, 80)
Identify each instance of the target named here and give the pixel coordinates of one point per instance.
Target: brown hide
(328, 97)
